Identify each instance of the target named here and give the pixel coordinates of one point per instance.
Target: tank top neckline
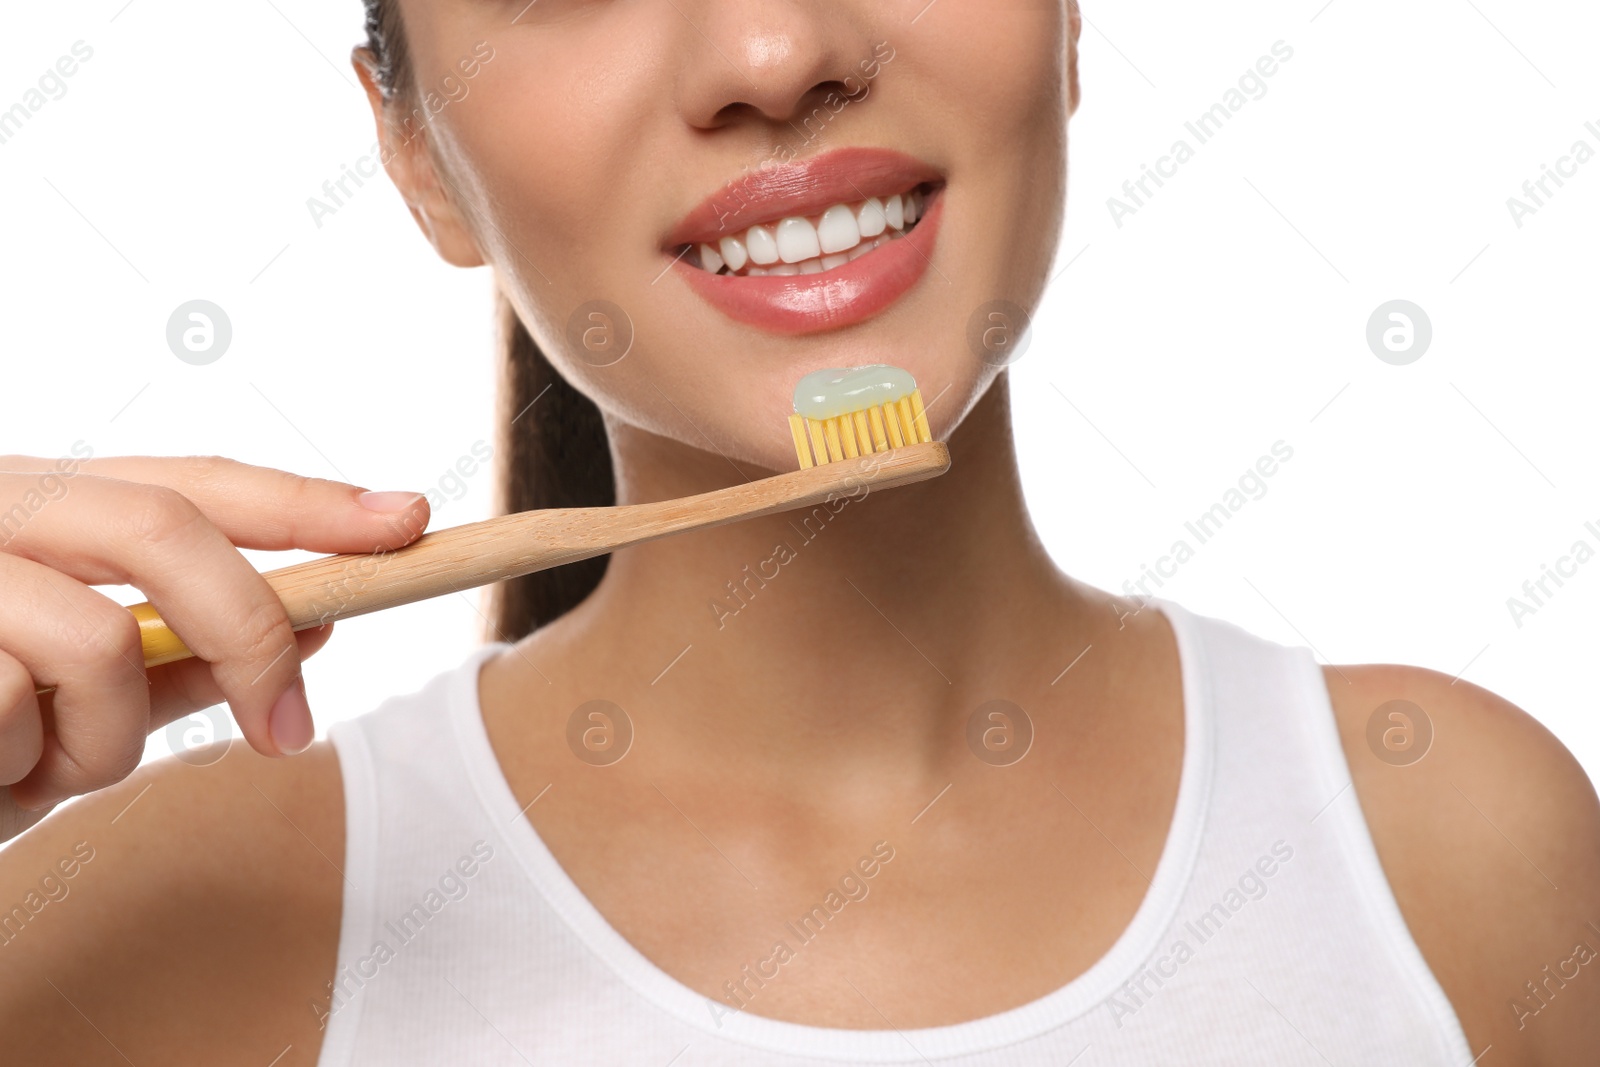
(716, 1019)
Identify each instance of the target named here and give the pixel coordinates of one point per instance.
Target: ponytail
(553, 453)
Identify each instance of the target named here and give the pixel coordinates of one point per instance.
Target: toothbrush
(864, 427)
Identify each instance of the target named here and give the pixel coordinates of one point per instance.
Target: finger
(13, 819)
(21, 729)
(87, 646)
(155, 538)
(255, 507)
(186, 686)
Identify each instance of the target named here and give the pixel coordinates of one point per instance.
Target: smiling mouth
(814, 244)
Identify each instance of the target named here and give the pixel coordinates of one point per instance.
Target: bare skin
(204, 927)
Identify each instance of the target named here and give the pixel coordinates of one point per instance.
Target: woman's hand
(172, 527)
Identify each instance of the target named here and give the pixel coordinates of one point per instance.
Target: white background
(1170, 353)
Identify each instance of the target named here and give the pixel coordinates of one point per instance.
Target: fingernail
(388, 502)
(290, 721)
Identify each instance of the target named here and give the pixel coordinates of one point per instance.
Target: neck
(865, 628)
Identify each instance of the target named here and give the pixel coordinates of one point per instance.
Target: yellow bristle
(880, 442)
(847, 437)
(819, 443)
(891, 420)
(908, 421)
(923, 432)
(893, 424)
(831, 432)
(802, 447)
(863, 434)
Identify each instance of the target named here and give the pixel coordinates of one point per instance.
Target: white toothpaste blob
(825, 394)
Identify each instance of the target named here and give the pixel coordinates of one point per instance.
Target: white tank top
(1268, 935)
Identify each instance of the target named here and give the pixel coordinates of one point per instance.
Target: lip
(809, 303)
(808, 187)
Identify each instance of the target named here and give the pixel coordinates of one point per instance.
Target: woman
(878, 784)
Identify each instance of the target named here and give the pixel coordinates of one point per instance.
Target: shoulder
(187, 914)
(1489, 833)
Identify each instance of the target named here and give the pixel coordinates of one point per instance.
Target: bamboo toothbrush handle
(463, 557)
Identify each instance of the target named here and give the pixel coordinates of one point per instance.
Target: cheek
(1005, 74)
(991, 98)
(548, 150)
(547, 162)
(1000, 65)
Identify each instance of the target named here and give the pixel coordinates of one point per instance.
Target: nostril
(815, 111)
(808, 112)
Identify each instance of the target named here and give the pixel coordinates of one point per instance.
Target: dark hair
(549, 438)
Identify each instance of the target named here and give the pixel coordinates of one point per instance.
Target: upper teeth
(798, 245)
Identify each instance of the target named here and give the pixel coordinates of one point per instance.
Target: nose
(770, 60)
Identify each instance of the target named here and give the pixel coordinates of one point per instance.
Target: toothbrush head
(842, 414)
